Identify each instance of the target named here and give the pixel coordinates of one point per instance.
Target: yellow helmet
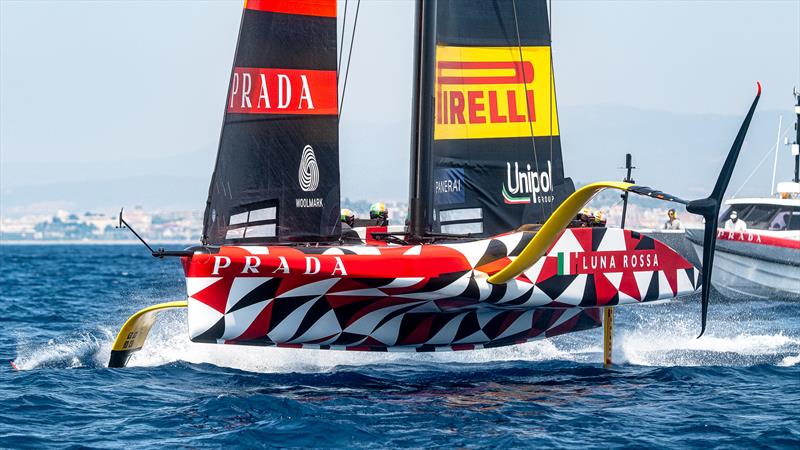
(347, 216)
(377, 209)
(599, 215)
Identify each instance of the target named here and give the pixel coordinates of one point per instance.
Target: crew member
(585, 217)
(349, 235)
(672, 222)
(734, 224)
(780, 221)
(347, 216)
(599, 219)
(379, 213)
(582, 220)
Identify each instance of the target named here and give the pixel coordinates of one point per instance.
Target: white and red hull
(758, 264)
(424, 297)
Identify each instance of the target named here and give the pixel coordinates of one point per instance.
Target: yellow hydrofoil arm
(132, 335)
(552, 228)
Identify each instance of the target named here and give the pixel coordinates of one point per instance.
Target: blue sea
(61, 305)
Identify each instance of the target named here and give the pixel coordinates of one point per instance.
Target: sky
(123, 84)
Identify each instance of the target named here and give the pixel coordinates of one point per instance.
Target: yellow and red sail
(495, 155)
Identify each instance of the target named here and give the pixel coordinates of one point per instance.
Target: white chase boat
(763, 260)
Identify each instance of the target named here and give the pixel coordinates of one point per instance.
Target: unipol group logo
(525, 185)
(308, 178)
(494, 92)
(308, 174)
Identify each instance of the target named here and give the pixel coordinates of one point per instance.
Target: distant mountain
(175, 192)
(196, 163)
(677, 153)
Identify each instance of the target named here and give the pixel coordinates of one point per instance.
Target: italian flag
(566, 264)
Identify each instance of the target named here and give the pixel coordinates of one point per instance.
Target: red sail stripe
(283, 91)
(319, 8)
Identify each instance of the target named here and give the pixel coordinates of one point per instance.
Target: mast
(422, 115)
(628, 179)
(775, 162)
(796, 145)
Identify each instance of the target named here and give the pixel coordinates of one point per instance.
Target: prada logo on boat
(738, 236)
(282, 91)
(525, 185)
(494, 92)
(279, 265)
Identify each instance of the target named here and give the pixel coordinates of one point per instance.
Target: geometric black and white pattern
(425, 297)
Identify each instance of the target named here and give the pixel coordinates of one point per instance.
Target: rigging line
(349, 55)
(764, 158)
(551, 82)
(525, 94)
(608, 210)
(341, 47)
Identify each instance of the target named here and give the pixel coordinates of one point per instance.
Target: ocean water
(61, 305)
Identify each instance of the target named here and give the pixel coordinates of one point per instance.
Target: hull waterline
(748, 265)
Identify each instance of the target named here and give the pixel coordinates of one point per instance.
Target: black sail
(277, 172)
(492, 161)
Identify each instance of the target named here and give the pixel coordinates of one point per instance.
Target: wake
(83, 350)
(653, 343)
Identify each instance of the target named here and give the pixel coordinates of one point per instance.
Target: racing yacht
(489, 261)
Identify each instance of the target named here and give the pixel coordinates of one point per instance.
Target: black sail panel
(496, 152)
(277, 172)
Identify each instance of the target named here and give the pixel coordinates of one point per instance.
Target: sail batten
(277, 173)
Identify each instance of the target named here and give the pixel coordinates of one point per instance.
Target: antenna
(629, 166)
(775, 163)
